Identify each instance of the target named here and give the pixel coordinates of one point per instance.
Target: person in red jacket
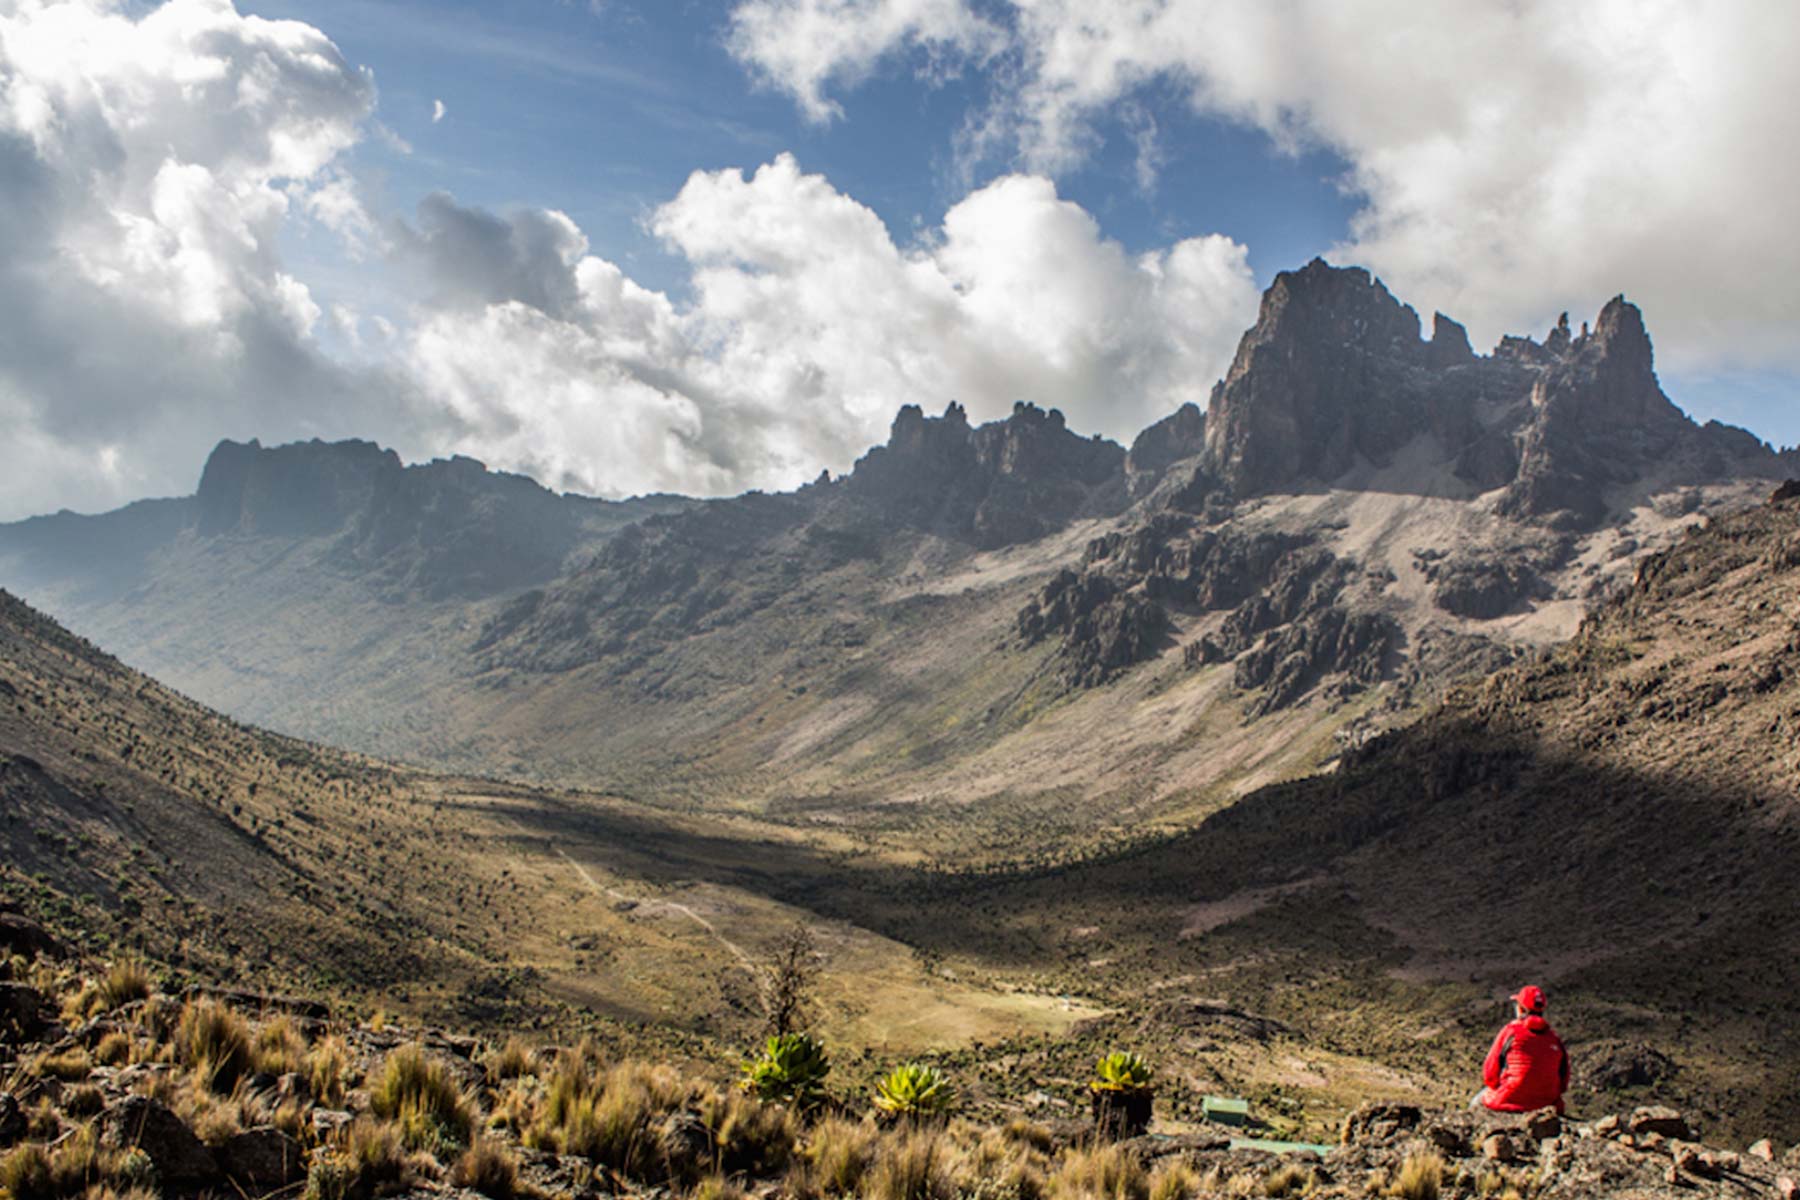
(1527, 1069)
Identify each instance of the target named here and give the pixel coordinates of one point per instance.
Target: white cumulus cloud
(1512, 158)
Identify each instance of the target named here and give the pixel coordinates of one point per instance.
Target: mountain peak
(300, 489)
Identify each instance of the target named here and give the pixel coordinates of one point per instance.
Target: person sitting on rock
(1527, 1069)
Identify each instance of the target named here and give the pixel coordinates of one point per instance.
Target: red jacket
(1527, 1069)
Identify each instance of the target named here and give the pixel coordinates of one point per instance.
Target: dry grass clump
(1105, 1172)
(214, 1042)
(423, 1097)
(278, 1047)
(71, 1066)
(609, 1116)
(913, 1166)
(369, 1159)
(1173, 1179)
(514, 1060)
(1421, 1177)
(487, 1167)
(748, 1134)
(113, 1050)
(717, 1187)
(83, 1101)
(77, 1164)
(838, 1153)
(326, 1070)
(125, 981)
(1289, 1180)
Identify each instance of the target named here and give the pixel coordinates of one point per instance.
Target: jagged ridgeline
(1000, 621)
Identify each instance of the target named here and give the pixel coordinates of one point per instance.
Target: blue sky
(709, 246)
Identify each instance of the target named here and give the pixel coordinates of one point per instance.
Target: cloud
(809, 326)
(437, 111)
(153, 164)
(147, 168)
(803, 46)
(1513, 159)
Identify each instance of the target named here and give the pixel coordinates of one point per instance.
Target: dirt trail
(712, 930)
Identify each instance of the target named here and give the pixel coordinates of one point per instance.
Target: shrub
(914, 1090)
(1289, 1180)
(1421, 1177)
(420, 1094)
(792, 1068)
(489, 1169)
(213, 1041)
(125, 981)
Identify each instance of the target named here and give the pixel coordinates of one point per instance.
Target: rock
(1786, 1188)
(1607, 1126)
(1693, 1160)
(20, 935)
(149, 1125)
(1499, 1146)
(686, 1145)
(1662, 1120)
(327, 1121)
(262, 1159)
(1450, 1139)
(1377, 1123)
(24, 1013)
(1764, 1149)
(1544, 1124)
(1616, 1065)
(12, 1119)
(1650, 1141)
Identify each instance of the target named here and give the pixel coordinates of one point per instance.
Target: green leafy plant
(792, 1067)
(914, 1090)
(1122, 1094)
(1121, 1071)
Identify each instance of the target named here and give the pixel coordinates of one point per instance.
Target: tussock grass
(717, 1187)
(749, 1134)
(838, 1153)
(37, 1172)
(1421, 1177)
(423, 1097)
(83, 1101)
(125, 981)
(912, 1166)
(487, 1167)
(113, 1050)
(1104, 1172)
(369, 1159)
(514, 1060)
(326, 1069)
(278, 1048)
(71, 1066)
(1290, 1180)
(214, 1042)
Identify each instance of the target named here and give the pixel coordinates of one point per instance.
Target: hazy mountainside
(1617, 819)
(1007, 622)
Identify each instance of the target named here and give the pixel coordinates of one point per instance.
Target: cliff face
(1334, 376)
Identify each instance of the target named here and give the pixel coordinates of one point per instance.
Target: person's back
(1527, 1068)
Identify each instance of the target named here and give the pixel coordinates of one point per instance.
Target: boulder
(685, 1144)
(149, 1125)
(262, 1159)
(1376, 1123)
(1500, 1146)
(1544, 1124)
(23, 1012)
(1764, 1149)
(1661, 1120)
(21, 935)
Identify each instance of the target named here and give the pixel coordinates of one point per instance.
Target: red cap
(1530, 998)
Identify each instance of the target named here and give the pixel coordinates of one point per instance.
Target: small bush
(1421, 1177)
(84, 1101)
(791, 1068)
(25, 1173)
(489, 1169)
(1104, 1172)
(422, 1096)
(916, 1091)
(124, 982)
(214, 1042)
(113, 1050)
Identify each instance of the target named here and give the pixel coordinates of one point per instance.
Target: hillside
(1617, 818)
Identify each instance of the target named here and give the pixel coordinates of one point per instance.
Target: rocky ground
(110, 1087)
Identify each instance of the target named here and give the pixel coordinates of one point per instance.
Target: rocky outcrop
(1104, 629)
(147, 1124)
